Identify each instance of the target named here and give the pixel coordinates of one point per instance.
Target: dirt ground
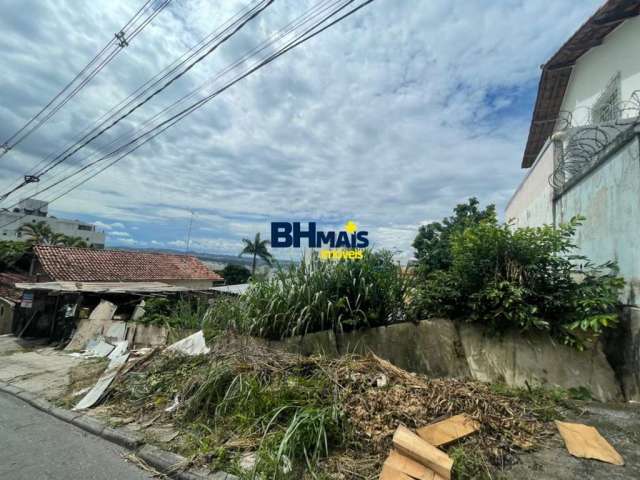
(618, 423)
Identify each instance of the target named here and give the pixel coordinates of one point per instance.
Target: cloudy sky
(389, 118)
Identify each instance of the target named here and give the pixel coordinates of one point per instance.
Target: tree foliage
(10, 253)
(40, 233)
(433, 242)
(525, 278)
(235, 274)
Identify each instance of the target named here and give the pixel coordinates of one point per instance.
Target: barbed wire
(580, 140)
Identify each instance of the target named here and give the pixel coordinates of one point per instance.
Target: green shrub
(525, 278)
(319, 295)
(186, 313)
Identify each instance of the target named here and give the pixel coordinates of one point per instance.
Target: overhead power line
(144, 96)
(121, 39)
(140, 140)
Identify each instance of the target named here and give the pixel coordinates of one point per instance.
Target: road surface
(37, 446)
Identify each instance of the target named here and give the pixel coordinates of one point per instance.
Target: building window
(85, 227)
(607, 107)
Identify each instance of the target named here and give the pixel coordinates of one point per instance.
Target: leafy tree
(257, 248)
(524, 278)
(38, 233)
(235, 274)
(41, 234)
(433, 242)
(10, 253)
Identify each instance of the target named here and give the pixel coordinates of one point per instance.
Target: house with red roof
(68, 264)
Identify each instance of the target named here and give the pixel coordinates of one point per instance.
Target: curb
(162, 460)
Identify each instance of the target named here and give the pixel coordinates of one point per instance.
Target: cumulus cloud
(389, 119)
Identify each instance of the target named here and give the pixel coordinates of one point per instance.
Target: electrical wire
(88, 72)
(140, 140)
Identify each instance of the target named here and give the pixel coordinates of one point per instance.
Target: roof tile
(89, 265)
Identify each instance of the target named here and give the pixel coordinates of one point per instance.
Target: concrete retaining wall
(440, 348)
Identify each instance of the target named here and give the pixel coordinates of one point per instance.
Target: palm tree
(68, 241)
(37, 233)
(257, 248)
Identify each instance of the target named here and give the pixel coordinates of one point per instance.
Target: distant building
(67, 264)
(33, 211)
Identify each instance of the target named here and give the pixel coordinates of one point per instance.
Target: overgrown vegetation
(514, 278)
(319, 295)
(186, 313)
(303, 418)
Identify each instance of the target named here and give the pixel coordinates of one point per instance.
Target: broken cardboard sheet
(586, 442)
(98, 348)
(407, 466)
(412, 446)
(89, 328)
(191, 345)
(96, 393)
(119, 350)
(448, 430)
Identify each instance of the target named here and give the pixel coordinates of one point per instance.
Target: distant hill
(219, 260)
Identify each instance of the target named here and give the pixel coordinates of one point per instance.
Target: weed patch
(265, 414)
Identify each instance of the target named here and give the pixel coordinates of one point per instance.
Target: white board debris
(191, 345)
(103, 383)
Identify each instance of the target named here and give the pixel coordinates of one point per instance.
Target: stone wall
(623, 350)
(440, 348)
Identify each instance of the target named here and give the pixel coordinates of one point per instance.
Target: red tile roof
(7, 283)
(557, 71)
(88, 265)
(9, 279)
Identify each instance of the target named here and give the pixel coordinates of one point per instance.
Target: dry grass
(229, 397)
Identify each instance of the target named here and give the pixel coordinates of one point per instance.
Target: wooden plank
(407, 465)
(586, 442)
(411, 445)
(448, 430)
(390, 473)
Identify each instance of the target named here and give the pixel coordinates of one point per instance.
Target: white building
(32, 211)
(583, 156)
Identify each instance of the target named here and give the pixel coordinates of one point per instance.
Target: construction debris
(390, 473)
(448, 430)
(192, 345)
(409, 444)
(98, 390)
(405, 465)
(584, 441)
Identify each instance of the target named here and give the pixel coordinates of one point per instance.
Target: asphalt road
(37, 446)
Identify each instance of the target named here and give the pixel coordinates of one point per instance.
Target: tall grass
(320, 295)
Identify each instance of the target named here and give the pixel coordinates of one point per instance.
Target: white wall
(609, 198)
(593, 71)
(532, 203)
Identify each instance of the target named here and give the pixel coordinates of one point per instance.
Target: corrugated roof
(557, 71)
(89, 265)
(237, 289)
